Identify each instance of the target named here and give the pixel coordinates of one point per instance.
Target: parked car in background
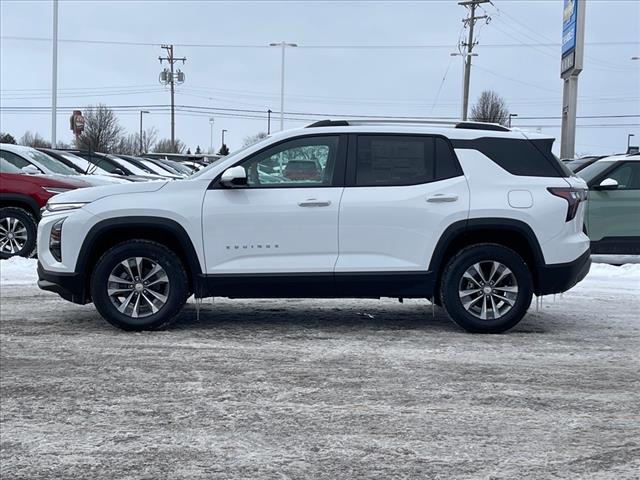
(612, 219)
(116, 165)
(180, 168)
(83, 167)
(577, 164)
(22, 195)
(40, 162)
(150, 167)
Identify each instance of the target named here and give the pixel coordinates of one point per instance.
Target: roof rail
(407, 121)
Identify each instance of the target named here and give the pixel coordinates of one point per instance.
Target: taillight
(573, 196)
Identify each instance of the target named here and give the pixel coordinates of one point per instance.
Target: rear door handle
(312, 202)
(442, 198)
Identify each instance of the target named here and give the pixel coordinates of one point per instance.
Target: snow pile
(18, 271)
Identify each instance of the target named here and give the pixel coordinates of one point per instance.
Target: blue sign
(569, 25)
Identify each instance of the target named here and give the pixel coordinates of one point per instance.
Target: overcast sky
(244, 73)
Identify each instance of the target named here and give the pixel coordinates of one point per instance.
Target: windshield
(593, 170)
(156, 168)
(48, 162)
(129, 166)
(83, 164)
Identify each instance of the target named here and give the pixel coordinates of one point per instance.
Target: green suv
(612, 219)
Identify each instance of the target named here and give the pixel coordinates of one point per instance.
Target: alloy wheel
(13, 235)
(488, 290)
(138, 287)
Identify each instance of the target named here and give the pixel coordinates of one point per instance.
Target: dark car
(577, 164)
(22, 195)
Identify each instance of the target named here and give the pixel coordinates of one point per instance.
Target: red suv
(22, 195)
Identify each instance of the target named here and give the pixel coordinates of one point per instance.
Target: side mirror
(30, 170)
(118, 171)
(234, 177)
(607, 184)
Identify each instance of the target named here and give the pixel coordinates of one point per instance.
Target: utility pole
(54, 76)
(171, 78)
(269, 122)
(470, 21)
(283, 45)
(223, 130)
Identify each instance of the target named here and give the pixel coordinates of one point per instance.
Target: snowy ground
(321, 389)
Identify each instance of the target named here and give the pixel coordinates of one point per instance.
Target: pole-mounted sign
(570, 67)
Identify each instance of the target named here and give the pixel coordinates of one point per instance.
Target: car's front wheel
(139, 285)
(18, 229)
(486, 288)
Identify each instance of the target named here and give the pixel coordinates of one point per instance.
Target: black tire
(29, 222)
(452, 281)
(177, 287)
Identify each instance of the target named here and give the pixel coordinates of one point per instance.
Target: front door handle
(442, 198)
(312, 202)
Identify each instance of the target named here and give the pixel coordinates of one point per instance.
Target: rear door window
(394, 160)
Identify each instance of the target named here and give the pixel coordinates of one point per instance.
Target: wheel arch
(108, 233)
(513, 234)
(20, 201)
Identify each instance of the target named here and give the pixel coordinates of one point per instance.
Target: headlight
(61, 207)
(55, 240)
(56, 190)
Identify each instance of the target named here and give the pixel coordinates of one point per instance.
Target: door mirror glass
(30, 170)
(234, 177)
(608, 184)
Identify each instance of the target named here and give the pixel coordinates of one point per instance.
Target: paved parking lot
(323, 389)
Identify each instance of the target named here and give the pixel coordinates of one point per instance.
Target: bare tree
(491, 108)
(149, 137)
(102, 131)
(251, 139)
(34, 140)
(165, 146)
(128, 144)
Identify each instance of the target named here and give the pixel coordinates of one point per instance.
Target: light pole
(211, 142)
(141, 146)
(269, 122)
(629, 140)
(54, 76)
(511, 115)
(282, 45)
(223, 130)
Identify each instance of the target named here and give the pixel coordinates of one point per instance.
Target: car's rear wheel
(486, 288)
(139, 285)
(18, 230)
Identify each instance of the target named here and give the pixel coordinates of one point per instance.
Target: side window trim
(338, 179)
(352, 158)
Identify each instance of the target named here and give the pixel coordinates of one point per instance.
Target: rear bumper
(70, 286)
(561, 277)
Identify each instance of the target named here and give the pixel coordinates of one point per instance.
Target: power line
(309, 46)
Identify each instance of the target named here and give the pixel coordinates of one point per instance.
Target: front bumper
(70, 286)
(557, 278)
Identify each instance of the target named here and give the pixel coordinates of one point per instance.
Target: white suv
(474, 217)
